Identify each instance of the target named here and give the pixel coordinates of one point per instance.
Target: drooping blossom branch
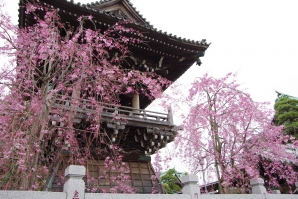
(55, 72)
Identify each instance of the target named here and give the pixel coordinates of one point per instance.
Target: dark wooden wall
(98, 176)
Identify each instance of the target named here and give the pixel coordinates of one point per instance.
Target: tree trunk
(220, 190)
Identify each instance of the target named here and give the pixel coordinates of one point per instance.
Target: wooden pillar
(136, 101)
(170, 116)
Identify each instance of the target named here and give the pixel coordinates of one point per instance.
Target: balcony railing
(84, 107)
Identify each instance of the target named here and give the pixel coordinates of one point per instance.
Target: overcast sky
(258, 39)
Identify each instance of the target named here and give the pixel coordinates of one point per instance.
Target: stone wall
(136, 196)
(248, 196)
(31, 195)
(74, 188)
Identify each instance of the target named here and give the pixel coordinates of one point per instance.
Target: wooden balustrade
(85, 106)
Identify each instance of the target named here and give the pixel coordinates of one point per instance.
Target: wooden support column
(136, 102)
(170, 116)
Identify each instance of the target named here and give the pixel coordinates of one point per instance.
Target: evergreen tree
(287, 114)
(171, 182)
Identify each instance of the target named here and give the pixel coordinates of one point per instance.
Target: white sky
(256, 39)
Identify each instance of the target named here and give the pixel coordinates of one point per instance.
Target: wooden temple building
(166, 54)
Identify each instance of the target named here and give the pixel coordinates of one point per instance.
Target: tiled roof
(146, 25)
(280, 95)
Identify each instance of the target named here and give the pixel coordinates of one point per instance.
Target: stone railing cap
(256, 181)
(75, 170)
(189, 178)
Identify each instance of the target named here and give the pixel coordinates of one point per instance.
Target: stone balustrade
(74, 188)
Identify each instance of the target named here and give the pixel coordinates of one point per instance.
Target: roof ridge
(101, 2)
(280, 95)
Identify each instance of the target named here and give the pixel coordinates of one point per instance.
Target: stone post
(75, 185)
(190, 186)
(258, 187)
